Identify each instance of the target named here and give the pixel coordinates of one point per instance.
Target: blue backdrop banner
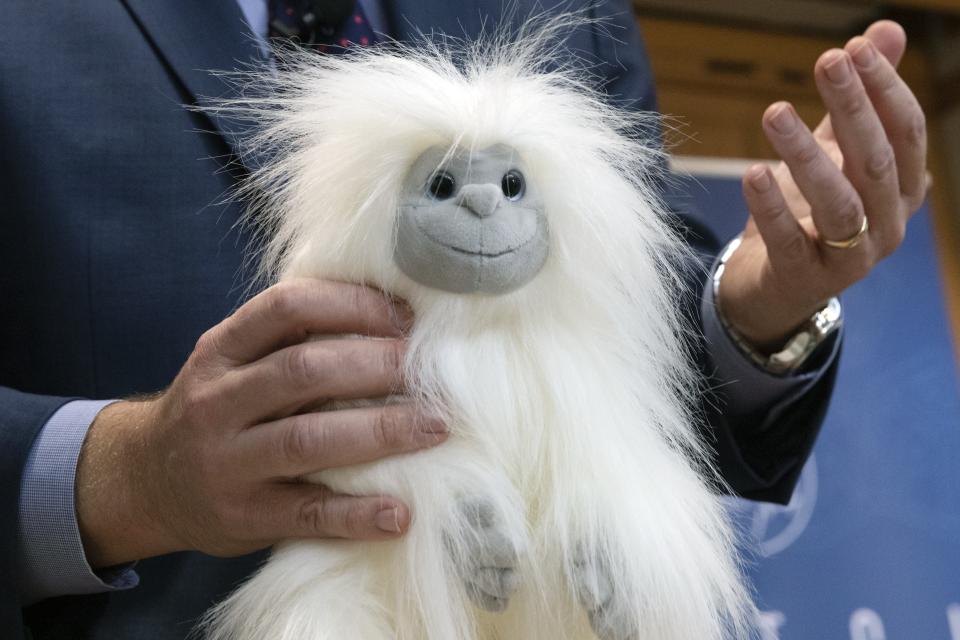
(869, 546)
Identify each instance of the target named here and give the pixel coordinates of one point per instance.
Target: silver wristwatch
(798, 348)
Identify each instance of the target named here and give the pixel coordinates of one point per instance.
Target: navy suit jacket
(118, 249)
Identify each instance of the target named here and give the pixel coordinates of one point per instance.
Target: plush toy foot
(609, 617)
(488, 563)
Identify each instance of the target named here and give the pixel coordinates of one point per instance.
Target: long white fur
(568, 399)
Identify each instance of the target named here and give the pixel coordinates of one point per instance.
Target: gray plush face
(470, 222)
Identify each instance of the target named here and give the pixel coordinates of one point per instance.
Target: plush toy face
(470, 221)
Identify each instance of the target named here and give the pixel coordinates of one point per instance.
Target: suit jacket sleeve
(22, 415)
(760, 450)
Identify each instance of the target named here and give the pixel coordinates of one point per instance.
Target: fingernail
(433, 425)
(759, 179)
(388, 520)
(864, 55)
(783, 120)
(838, 69)
(403, 315)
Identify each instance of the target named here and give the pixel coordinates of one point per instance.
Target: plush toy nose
(481, 199)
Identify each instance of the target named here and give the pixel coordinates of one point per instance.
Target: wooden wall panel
(715, 78)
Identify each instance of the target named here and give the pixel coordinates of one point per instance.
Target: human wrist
(759, 311)
(115, 515)
(766, 327)
(51, 560)
(749, 389)
(794, 350)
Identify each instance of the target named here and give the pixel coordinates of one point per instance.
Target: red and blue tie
(329, 26)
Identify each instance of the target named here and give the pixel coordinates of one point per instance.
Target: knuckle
(847, 212)
(197, 402)
(854, 103)
(304, 367)
(300, 442)
(808, 153)
(769, 210)
(207, 344)
(390, 431)
(917, 129)
(312, 515)
(880, 163)
(284, 299)
(915, 200)
(794, 248)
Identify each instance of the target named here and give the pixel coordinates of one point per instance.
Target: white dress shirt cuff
(51, 559)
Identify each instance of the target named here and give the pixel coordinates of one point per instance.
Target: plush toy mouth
(479, 252)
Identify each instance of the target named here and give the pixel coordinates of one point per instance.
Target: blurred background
(869, 546)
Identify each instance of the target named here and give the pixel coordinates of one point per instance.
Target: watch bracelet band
(799, 347)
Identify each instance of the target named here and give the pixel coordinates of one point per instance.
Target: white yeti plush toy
(510, 206)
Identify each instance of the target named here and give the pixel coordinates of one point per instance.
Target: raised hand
(212, 463)
(840, 200)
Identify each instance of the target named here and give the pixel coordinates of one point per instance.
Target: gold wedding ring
(852, 241)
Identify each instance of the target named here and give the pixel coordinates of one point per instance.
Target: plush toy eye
(441, 185)
(512, 184)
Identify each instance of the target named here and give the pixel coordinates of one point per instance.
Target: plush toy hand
(853, 182)
(488, 566)
(610, 618)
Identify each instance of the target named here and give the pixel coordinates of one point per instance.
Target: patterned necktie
(329, 27)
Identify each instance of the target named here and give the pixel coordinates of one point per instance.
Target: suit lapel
(195, 37)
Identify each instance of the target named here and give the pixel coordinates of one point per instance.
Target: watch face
(827, 320)
(830, 316)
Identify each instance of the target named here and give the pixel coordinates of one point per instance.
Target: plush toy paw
(609, 617)
(487, 560)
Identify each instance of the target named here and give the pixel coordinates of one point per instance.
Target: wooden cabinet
(714, 82)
